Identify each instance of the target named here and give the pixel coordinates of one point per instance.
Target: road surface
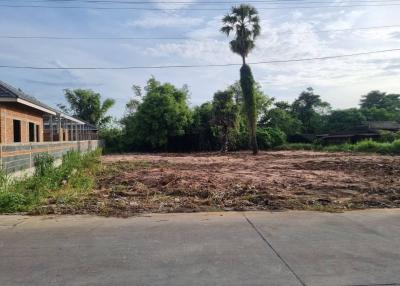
(252, 248)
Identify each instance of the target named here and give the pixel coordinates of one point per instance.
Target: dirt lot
(131, 184)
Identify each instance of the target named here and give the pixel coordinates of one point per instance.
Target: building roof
(10, 93)
(384, 125)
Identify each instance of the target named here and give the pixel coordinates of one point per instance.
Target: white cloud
(152, 20)
(298, 37)
(284, 36)
(167, 6)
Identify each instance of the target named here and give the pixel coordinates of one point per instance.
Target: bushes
(113, 140)
(12, 202)
(377, 147)
(43, 163)
(270, 137)
(62, 184)
(299, 146)
(367, 146)
(395, 148)
(387, 136)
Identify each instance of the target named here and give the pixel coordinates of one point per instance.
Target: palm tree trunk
(254, 144)
(247, 84)
(243, 60)
(224, 148)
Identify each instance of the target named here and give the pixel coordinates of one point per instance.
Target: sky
(287, 33)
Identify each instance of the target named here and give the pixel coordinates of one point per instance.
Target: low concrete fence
(20, 156)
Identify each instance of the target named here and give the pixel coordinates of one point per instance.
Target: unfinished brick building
(28, 127)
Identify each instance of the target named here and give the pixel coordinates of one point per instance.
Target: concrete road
(253, 248)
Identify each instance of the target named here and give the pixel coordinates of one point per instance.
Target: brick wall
(10, 111)
(20, 156)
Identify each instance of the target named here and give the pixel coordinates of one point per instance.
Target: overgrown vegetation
(64, 184)
(368, 146)
(160, 119)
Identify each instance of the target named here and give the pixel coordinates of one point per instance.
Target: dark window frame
(31, 131)
(37, 133)
(17, 130)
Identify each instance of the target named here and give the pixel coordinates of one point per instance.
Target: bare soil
(301, 180)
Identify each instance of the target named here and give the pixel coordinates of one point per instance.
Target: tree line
(159, 118)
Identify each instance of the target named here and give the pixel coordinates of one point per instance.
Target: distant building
(369, 130)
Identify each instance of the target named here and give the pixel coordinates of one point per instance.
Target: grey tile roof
(384, 125)
(9, 91)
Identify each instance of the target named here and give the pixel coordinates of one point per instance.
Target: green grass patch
(365, 146)
(65, 184)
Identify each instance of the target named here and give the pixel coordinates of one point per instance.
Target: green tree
(380, 114)
(374, 98)
(379, 106)
(201, 126)
(243, 21)
(310, 110)
(283, 105)
(281, 119)
(263, 101)
(345, 119)
(162, 113)
(225, 115)
(86, 105)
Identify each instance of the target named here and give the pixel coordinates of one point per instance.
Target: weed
(65, 184)
(43, 163)
(367, 146)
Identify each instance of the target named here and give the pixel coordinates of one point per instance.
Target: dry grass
(132, 184)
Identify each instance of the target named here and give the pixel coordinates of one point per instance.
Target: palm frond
(229, 19)
(226, 30)
(245, 23)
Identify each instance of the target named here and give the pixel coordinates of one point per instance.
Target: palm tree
(243, 21)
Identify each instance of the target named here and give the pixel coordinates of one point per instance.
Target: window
(37, 133)
(31, 132)
(17, 130)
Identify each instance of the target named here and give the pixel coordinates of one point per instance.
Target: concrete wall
(10, 111)
(20, 156)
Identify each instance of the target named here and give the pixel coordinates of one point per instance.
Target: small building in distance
(368, 130)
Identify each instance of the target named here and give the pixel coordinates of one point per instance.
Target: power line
(95, 38)
(199, 2)
(182, 37)
(200, 66)
(356, 29)
(194, 9)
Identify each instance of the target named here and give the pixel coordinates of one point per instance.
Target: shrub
(395, 147)
(367, 146)
(43, 163)
(13, 201)
(4, 180)
(346, 147)
(387, 136)
(113, 140)
(64, 183)
(298, 146)
(270, 137)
